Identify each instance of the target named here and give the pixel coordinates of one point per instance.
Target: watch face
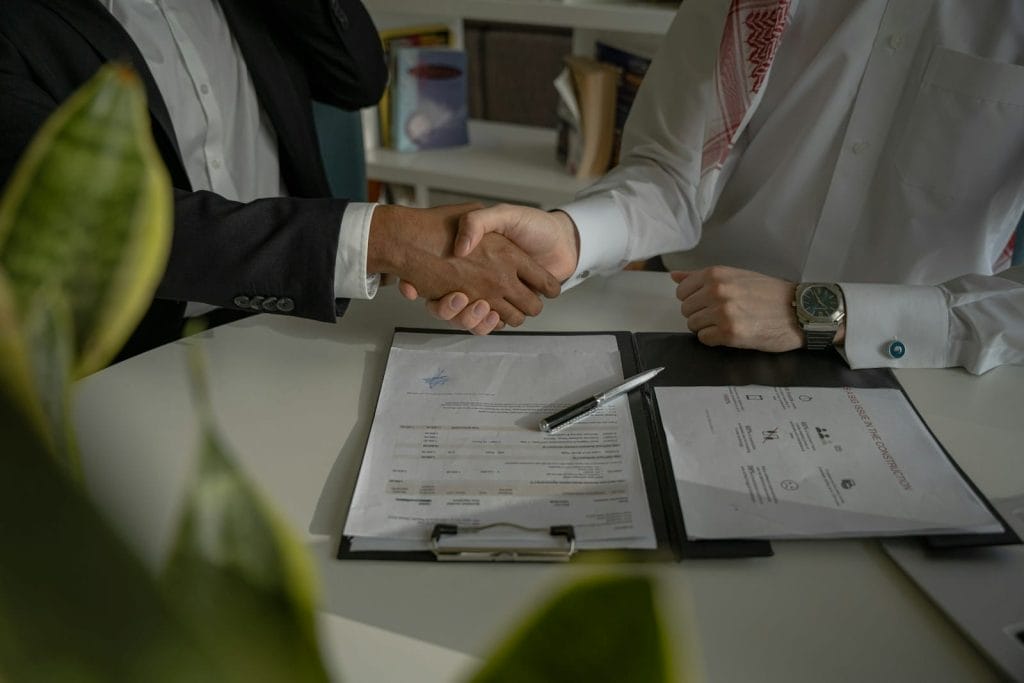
(821, 302)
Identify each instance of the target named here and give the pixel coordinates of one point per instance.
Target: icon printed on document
(770, 434)
(789, 485)
(438, 380)
(847, 483)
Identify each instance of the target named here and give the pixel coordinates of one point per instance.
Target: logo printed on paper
(438, 380)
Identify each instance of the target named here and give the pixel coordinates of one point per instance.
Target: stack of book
(586, 113)
(632, 68)
(595, 97)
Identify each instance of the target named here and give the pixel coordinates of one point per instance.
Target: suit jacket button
(270, 304)
(256, 302)
(285, 305)
(242, 301)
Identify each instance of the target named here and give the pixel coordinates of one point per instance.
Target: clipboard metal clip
(482, 553)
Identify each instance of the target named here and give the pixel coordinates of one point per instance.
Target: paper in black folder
(456, 468)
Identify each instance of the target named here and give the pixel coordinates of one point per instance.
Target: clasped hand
(549, 238)
(417, 245)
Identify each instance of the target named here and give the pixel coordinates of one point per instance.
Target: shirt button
(584, 275)
(205, 89)
(215, 163)
(860, 146)
(896, 41)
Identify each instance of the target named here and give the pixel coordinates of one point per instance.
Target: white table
(295, 399)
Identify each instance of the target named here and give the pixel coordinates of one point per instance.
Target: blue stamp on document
(438, 380)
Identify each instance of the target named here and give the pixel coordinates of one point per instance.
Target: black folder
(687, 362)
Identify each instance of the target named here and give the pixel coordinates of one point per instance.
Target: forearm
(280, 248)
(651, 198)
(974, 321)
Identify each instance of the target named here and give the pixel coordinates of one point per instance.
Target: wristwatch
(820, 309)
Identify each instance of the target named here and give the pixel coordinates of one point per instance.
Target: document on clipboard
(824, 462)
(690, 465)
(455, 442)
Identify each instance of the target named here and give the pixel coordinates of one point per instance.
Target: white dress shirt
(887, 154)
(227, 143)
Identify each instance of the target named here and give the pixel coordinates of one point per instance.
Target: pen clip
(567, 416)
(568, 423)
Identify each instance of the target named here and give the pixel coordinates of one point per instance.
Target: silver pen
(586, 407)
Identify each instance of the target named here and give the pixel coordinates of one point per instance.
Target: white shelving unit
(503, 161)
(631, 17)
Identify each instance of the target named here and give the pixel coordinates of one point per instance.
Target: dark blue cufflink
(897, 349)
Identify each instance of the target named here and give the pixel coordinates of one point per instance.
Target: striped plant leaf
(15, 367)
(48, 326)
(237, 574)
(603, 629)
(88, 210)
(75, 603)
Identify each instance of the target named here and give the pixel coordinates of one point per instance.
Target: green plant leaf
(237, 574)
(75, 603)
(40, 381)
(600, 629)
(15, 365)
(48, 325)
(88, 211)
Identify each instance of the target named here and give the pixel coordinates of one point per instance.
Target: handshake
(482, 269)
(478, 268)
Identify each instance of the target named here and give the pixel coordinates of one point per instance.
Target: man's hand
(417, 246)
(731, 307)
(549, 237)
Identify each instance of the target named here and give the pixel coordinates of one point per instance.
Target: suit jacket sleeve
(337, 45)
(280, 247)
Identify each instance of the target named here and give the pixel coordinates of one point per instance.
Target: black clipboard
(687, 362)
(667, 548)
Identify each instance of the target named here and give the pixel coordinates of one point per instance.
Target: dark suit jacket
(296, 50)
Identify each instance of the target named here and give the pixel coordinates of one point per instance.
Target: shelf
(503, 161)
(632, 17)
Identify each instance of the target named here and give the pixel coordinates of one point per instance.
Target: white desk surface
(295, 399)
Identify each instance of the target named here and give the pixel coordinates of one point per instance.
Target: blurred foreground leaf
(600, 629)
(88, 213)
(75, 603)
(15, 367)
(48, 325)
(237, 574)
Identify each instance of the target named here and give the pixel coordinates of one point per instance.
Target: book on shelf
(429, 99)
(632, 68)
(392, 39)
(586, 114)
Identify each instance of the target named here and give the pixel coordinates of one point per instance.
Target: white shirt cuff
(917, 316)
(603, 237)
(351, 281)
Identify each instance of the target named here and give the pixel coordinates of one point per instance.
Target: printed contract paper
(790, 462)
(455, 441)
